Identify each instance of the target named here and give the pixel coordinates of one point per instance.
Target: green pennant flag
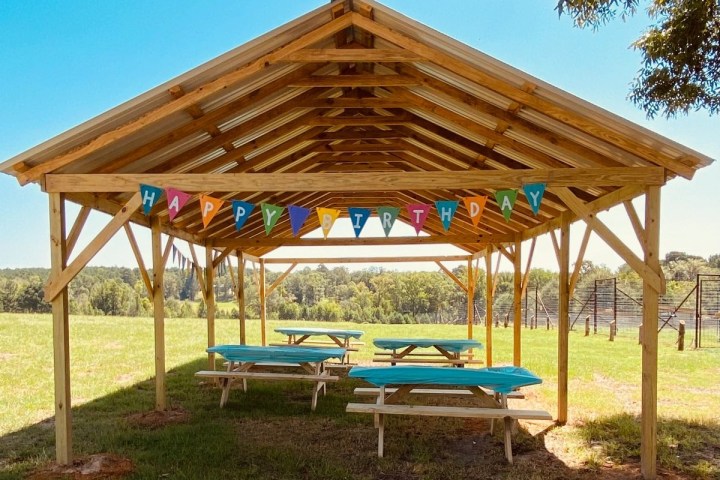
(388, 215)
(271, 214)
(506, 201)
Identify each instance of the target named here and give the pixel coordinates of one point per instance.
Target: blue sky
(65, 62)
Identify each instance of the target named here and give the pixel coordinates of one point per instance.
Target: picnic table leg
(380, 423)
(226, 386)
(508, 430)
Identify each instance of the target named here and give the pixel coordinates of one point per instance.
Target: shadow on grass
(270, 433)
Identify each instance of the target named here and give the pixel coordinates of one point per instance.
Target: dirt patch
(157, 419)
(101, 465)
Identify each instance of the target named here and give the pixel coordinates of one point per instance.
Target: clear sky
(66, 62)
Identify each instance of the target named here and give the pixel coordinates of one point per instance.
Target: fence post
(595, 325)
(587, 325)
(497, 320)
(548, 322)
(533, 322)
(613, 327)
(507, 320)
(681, 335)
(640, 334)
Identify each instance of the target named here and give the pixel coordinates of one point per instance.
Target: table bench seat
(266, 376)
(445, 392)
(443, 411)
(438, 359)
(315, 344)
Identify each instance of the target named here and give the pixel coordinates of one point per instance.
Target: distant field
(110, 355)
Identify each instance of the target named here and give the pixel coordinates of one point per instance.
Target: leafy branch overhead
(680, 70)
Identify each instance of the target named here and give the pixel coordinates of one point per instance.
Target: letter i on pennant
(358, 218)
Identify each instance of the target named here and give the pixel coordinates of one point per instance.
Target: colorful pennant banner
(475, 207)
(209, 207)
(418, 215)
(176, 200)
(506, 201)
(271, 215)
(327, 217)
(358, 218)
(534, 193)
(446, 209)
(150, 196)
(241, 212)
(387, 215)
(298, 215)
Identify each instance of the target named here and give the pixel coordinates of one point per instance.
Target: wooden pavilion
(355, 105)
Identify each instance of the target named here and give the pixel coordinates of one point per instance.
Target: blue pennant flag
(241, 212)
(534, 193)
(150, 196)
(358, 217)
(446, 209)
(298, 215)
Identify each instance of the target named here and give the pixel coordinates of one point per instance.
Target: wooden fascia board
(56, 284)
(553, 110)
(360, 182)
(191, 98)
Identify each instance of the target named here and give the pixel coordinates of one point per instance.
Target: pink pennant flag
(176, 200)
(418, 214)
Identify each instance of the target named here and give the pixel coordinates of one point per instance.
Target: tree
(680, 52)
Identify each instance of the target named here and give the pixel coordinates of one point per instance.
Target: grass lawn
(270, 433)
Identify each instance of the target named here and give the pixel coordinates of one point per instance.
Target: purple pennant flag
(298, 215)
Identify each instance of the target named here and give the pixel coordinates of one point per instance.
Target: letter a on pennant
(387, 217)
(298, 215)
(534, 193)
(271, 214)
(358, 218)
(176, 200)
(241, 212)
(446, 209)
(150, 196)
(506, 200)
(475, 207)
(418, 214)
(209, 207)
(327, 217)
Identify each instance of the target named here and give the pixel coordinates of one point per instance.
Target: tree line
(372, 295)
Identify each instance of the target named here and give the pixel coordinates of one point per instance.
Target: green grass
(270, 433)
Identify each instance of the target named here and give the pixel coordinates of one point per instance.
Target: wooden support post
(497, 320)
(158, 315)
(470, 298)
(681, 335)
(210, 302)
(61, 333)
(517, 303)
(506, 321)
(640, 334)
(488, 306)
(563, 320)
(595, 325)
(263, 304)
(648, 420)
(613, 326)
(241, 297)
(587, 326)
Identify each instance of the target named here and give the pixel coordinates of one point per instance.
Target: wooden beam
(447, 258)
(470, 298)
(138, 257)
(59, 281)
(77, 229)
(352, 81)
(210, 303)
(555, 244)
(365, 55)
(635, 221)
(578, 263)
(196, 96)
(342, 102)
(526, 275)
(222, 256)
(563, 322)
(648, 417)
(611, 239)
(356, 121)
(61, 334)
(364, 147)
(158, 315)
(362, 182)
(489, 292)
(517, 303)
(263, 304)
(279, 280)
(353, 241)
(241, 297)
(452, 276)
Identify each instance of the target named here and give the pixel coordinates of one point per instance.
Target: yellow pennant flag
(209, 207)
(327, 217)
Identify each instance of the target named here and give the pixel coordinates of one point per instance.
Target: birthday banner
(418, 213)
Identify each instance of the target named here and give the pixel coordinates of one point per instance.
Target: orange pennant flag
(475, 206)
(209, 207)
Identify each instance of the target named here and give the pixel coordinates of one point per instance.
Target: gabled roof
(387, 110)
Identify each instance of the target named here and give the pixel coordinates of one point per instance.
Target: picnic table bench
(445, 351)
(490, 387)
(307, 337)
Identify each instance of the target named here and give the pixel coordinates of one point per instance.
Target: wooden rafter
(139, 258)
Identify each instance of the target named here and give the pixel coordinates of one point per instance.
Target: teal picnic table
(308, 337)
(451, 351)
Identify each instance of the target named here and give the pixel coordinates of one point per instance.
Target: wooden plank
(563, 322)
(526, 275)
(77, 229)
(635, 221)
(266, 376)
(363, 147)
(370, 102)
(263, 303)
(241, 296)
(452, 276)
(356, 81)
(445, 392)
(366, 55)
(61, 334)
(352, 121)
(517, 303)
(470, 308)
(361, 182)
(57, 283)
(648, 419)
(448, 258)
(489, 292)
(196, 96)
(279, 280)
(138, 257)
(158, 316)
(353, 241)
(210, 302)
(442, 411)
(610, 238)
(578, 263)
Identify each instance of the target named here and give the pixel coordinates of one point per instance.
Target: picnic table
(307, 337)
(251, 362)
(447, 351)
(488, 387)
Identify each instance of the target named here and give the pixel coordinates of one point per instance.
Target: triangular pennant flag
(475, 206)
(271, 214)
(174, 251)
(209, 207)
(534, 193)
(387, 217)
(175, 200)
(241, 212)
(298, 215)
(418, 214)
(327, 217)
(446, 209)
(506, 201)
(150, 196)
(358, 218)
